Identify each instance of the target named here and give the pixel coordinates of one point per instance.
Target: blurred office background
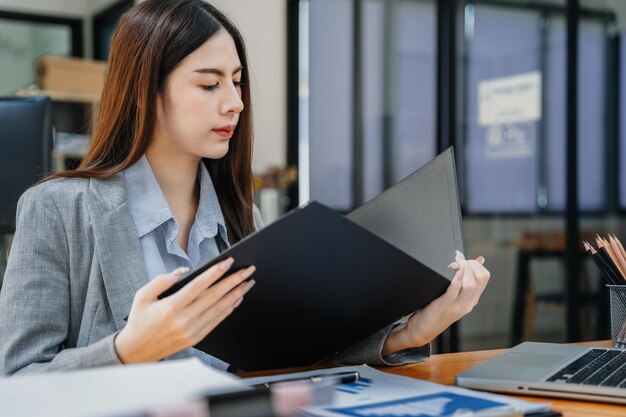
(357, 94)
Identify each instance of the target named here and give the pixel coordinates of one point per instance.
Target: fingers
(459, 260)
(455, 265)
(469, 282)
(230, 289)
(233, 298)
(481, 276)
(194, 288)
(475, 278)
(154, 288)
(223, 287)
(455, 286)
(474, 282)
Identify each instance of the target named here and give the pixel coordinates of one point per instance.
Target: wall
(263, 26)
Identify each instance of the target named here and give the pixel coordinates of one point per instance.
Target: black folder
(324, 282)
(420, 215)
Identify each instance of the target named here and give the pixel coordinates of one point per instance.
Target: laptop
(553, 370)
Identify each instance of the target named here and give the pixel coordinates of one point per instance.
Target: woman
(166, 184)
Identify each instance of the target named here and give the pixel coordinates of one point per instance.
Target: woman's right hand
(157, 328)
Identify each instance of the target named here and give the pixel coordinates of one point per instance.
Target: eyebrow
(216, 71)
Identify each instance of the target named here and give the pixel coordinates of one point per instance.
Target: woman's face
(199, 108)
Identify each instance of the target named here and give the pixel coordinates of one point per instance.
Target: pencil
(614, 259)
(605, 261)
(604, 271)
(620, 246)
(618, 254)
(604, 253)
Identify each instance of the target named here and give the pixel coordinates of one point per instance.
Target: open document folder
(378, 393)
(325, 281)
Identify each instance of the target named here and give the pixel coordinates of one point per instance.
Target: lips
(225, 131)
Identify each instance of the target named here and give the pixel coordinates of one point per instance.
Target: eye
(211, 87)
(239, 83)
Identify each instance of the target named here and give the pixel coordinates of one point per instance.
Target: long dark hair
(151, 39)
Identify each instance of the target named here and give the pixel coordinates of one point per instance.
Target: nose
(232, 101)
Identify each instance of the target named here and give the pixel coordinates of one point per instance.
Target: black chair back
(25, 150)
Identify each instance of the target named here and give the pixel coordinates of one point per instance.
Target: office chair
(25, 155)
(25, 150)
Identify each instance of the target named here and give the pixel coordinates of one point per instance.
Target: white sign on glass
(510, 99)
(508, 110)
(508, 141)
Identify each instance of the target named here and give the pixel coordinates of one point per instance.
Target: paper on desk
(117, 390)
(378, 393)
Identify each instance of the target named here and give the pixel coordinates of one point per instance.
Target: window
(397, 61)
(514, 134)
(24, 38)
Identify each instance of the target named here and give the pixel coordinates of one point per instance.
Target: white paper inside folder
(113, 391)
(378, 393)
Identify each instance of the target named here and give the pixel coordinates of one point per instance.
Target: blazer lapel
(116, 244)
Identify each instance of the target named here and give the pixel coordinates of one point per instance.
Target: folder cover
(420, 215)
(324, 282)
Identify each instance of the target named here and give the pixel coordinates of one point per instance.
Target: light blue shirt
(157, 228)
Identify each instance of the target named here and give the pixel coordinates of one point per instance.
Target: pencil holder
(617, 295)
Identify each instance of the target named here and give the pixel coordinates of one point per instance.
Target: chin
(216, 152)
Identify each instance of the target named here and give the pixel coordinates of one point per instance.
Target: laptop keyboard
(602, 367)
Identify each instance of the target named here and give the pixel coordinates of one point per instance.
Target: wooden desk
(443, 369)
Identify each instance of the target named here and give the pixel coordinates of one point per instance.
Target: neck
(176, 175)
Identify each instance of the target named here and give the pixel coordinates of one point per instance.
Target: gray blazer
(73, 269)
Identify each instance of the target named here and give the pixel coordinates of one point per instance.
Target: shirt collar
(209, 217)
(149, 209)
(146, 202)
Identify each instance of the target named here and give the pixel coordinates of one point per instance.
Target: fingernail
(249, 272)
(180, 271)
(452, 264)
(226, 264)
(251, 283)
(238, 302)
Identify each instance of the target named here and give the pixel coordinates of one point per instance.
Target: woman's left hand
(458, 300)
